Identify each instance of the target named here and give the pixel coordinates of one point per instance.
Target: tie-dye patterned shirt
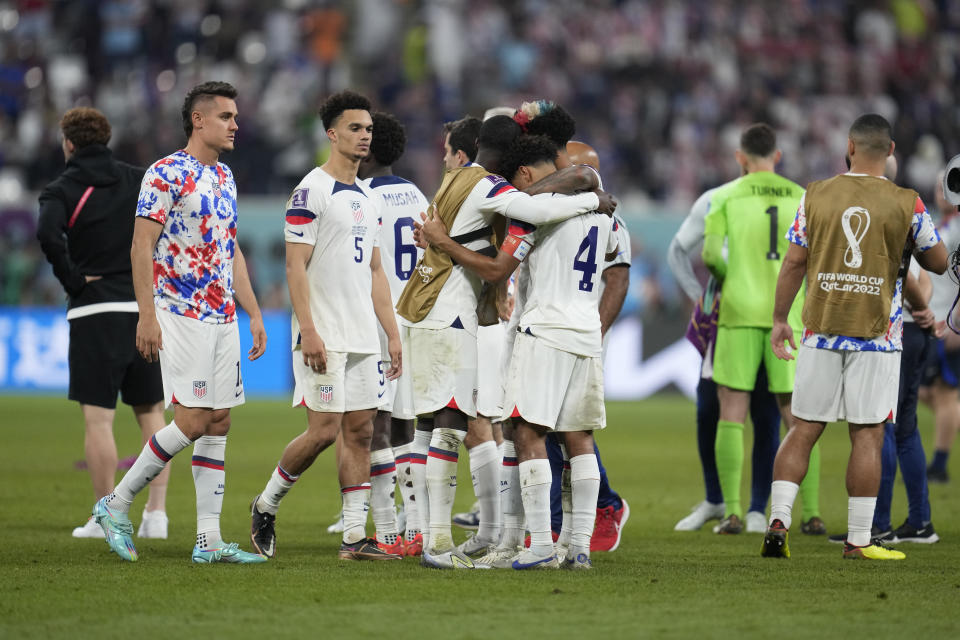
(923, 235)
(193, 260)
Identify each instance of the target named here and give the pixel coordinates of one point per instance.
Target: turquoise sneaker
(230, 553)
(117, 529)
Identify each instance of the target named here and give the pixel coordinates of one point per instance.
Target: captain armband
(516, 247)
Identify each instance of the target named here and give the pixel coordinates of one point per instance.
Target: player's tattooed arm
(312, 348)
(567, 181)
(243, 289)
(146, 232)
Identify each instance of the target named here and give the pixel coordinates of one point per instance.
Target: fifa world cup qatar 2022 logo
(855, 221)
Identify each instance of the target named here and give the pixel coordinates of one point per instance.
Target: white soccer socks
(418, 470)
(405, 485)
(208, 480)
(782, 495)
(510, 501)
(164, 444)
(485, 473)
(859, 520)
(278, 486)
(383, 475)
(585, 487)
(356, 501)
(441, 476)
(566, 502)
(535, 479)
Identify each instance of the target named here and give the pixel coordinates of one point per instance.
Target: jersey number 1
(773, 254)
(587, 267)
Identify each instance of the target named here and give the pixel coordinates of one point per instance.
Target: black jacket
(98, 244)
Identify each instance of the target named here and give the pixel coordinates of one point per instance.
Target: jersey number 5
(588, 265)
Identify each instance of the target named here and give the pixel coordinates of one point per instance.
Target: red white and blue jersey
(193, 260)
(565, 264)
(342, 223)
(923, 234)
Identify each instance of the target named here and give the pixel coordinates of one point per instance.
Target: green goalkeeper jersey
(753, 214)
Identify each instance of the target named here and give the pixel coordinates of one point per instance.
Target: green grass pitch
(658, 584)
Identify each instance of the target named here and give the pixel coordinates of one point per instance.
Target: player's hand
(782, 332)
(314, 351)
(149, 337)
(92, 278)
(432, 229)
(923, 317)
(259, 334)
(508, 306)
(395, 349)
(608, 202)
(940, 329)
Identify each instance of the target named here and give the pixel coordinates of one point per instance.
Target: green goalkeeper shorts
(740, 351)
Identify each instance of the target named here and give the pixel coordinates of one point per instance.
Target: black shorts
(941, 365)
(104, 361)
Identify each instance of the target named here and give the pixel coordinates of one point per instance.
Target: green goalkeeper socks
(729, 453)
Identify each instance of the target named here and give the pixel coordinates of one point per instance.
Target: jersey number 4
(588, 264)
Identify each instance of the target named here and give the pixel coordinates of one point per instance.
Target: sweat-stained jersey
(492, 195)
(342, 223)
(193, 260)
(562, 295)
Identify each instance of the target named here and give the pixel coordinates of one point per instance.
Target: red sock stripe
(418, 458)
(440, 454)
(509, 462)
(158, 450)
(286, 476)
(381, 469)
(357, 487)
(209, 463)
(404, 459)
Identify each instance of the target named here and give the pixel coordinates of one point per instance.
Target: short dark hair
(758, 140)
(202, 92)
(498, 133)
(554, 122)
(527, 151)
(463, 136)
(84, 126)
(872, 133)
(334, 106)
(389, 138)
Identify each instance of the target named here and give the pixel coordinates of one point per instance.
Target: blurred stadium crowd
(661, 88)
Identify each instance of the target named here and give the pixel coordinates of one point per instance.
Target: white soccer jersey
(342, 222)
(563, 293)
(401, 204)
(491, 196)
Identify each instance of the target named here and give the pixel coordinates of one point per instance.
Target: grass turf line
(662, 583)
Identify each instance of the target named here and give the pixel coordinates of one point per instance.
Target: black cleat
(262, 533)
(908, 533)
(814, 527)
(876, 536)
(365, 549)
(775, 541)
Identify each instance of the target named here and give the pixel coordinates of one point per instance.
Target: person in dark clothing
(85, 231)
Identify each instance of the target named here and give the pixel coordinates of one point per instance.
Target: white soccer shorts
(554, 389)
(443, 369)
(491, 341)
(860, 387)
(200, 362)
(351, 382)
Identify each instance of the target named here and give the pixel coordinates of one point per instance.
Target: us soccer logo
(326, 392)
(357, 211)
(199, 388)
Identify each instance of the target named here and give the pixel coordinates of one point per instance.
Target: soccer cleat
(527, 559)
(499, 558)
(153, 525)
(229, 553)
(937, 476)
(871, 552)
(396, 548)
(576, 560)
(469, 520)
(439, 544)
(700, 515)
(452, 559)
(775, 541)
(414, 547)
(365, 549)
(814, 527)
(262, 532)
(608, 526)
(908, 533)
(729, 526)
(755, 522)
(336, 527)
(89, 529)
(117, 530)
(876, 536)
(474, 547)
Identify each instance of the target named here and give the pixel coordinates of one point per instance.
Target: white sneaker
(90, 529)
(336, 527)
(701, 514)
(153, 525)
(527, 559)
(499, 558)
(756, 522)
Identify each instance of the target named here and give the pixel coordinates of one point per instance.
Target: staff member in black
(85, 230)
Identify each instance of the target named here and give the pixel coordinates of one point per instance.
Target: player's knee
(447, 418)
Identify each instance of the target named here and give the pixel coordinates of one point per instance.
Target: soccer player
(85, 229)
(851, 238)
(747, 215)
(339, 292)
(764, 412)
(400, 205)
(442, 320)
(460, 148)
(187, 270)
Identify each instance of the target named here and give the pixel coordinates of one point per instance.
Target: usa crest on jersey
(357, 211)
(326, 392)
(199, 388)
